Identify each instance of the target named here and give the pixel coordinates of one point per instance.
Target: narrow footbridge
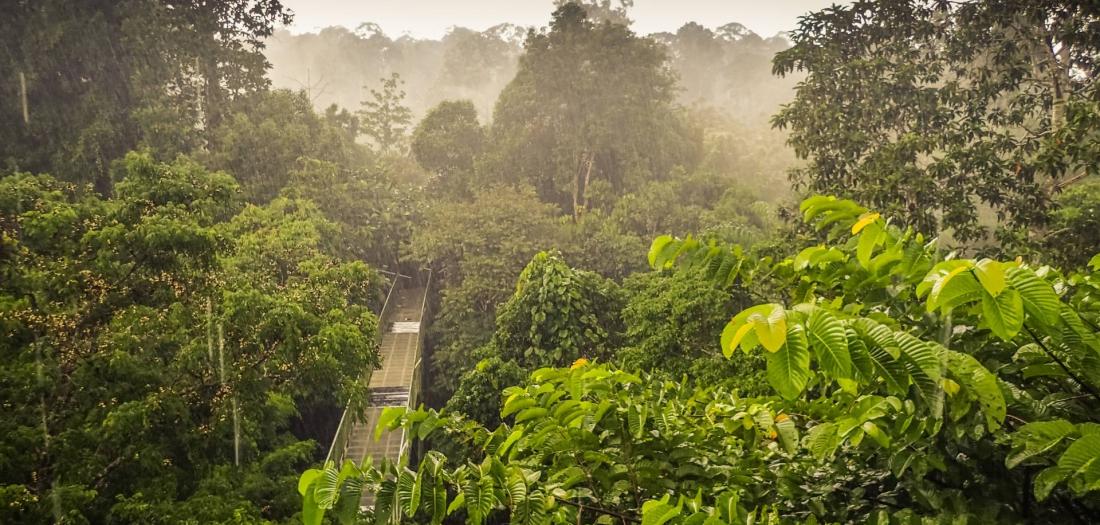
(397, 383)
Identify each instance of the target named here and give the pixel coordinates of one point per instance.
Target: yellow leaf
(950, 386)
(991, 274)
(934, 295)
(864, 220)
(737, 337)
(771, 330)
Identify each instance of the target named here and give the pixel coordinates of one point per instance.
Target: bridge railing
(414, 388)
(339, 445)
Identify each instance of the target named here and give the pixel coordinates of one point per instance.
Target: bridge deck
(392, 384)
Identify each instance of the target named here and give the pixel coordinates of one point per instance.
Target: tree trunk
(211, 98)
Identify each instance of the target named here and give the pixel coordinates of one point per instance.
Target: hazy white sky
(432, 18)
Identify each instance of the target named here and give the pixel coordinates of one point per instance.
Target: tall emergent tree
(931, 109)
(384, 118)
(591, 101)
(447, 142)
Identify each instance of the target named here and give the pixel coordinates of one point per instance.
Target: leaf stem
(582, 506)
(1095, 394)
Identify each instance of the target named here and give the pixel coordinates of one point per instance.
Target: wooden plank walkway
(392, 384)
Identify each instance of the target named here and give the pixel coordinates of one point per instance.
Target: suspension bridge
(396, 383)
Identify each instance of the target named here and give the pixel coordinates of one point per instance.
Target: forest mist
(724, 78)
(725, 68)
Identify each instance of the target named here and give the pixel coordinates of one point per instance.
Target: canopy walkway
(396, 383)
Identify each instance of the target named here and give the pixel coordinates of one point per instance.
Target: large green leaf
(386, 420)
(890, 370)
(982, 384)
(326, 487)
(516, 490)
(866, 220)
(656, 261)
(991, 275)
(479, 499)
(738, 334)
(788, 369)
(924, 364)
(925, 355)
(878, 348)
(1004, 313)
(1040, 300)
(822, 440)
(727, 505)
(307, 478)
(385, 505)
(787, 432)
(1081, 454)
(954, 289)
(346, 509)
(771, 329)
(1079, 465)
(408, 495)
(438, 501)
(1036, 438)
(745, 328)
(862, 367)
(878, 335)
(871, 236)
(312, 514)
(830, 344)
(1046, 480)
(514, 436)
(656, 512)
(1074, 331)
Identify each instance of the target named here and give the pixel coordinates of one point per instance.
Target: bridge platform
(391, 385)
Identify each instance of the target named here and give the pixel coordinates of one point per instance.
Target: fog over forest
(724, 68)
(724, 78)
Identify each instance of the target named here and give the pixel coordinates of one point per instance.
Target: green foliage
(135, 328)
(447, 142)
(557, 315)
(902, 98)
(702, 202)
(991, 300)
(591, 102)
(104, 78)
(299, 315)
(587, 443)
(261, 141)
(478, 394)
(877, 385)
(673, 323)
(1073, 237)
(476, 249)
(374, 212)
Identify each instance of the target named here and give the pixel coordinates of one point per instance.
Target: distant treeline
(727, 68)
